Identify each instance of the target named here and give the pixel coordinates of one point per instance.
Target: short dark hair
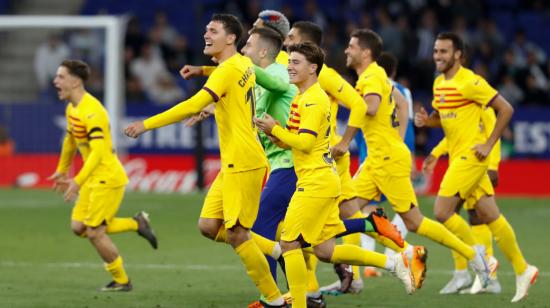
(309, 31)
(231, 25)
(458, 43)
(313, 53)
(388, 62)
(77, 68)
(369, 39)
(272, 37)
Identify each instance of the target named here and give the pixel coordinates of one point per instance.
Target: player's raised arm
(337, 87)
(270, 82)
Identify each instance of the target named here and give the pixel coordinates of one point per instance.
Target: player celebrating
(387, 168)
(99, 185)
(312, 215)
(481, 232)
(231, 204)
(459, 99)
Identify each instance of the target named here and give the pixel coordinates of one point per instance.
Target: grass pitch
(43, 265)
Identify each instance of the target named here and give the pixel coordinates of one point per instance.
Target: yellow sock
(483, 235)
(506, 240)
(221, 237)
(460, 262)
(116, 268)
(296, 274)
(387, 242)
(265, 245)
(118, 225)
(354, 239)
(457, 225)
(258, 269)
(311, 265)
(350, 254)
(438, 233)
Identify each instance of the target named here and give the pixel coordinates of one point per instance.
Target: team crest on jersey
(441, 98)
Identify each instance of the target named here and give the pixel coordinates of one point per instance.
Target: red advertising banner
(176, 173)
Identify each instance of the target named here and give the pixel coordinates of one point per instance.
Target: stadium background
(508, 43)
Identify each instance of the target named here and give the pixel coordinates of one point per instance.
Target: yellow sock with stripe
(258, 270)
(353, 255)
(354, 239)
(116, 268)
(296, 274)
(483, 236)
(267, 246)
(311, 266)
(118, 225)
(438, 233)
(506, 240)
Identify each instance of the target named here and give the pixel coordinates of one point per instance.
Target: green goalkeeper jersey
(273, 96)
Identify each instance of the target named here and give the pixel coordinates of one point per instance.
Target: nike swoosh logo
(341, 88)
(475, 83)
(91, 115)
(307, 105)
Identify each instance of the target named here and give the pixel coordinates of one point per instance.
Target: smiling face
(445, 56)
(354, 53)
(65, 83)
(216, 38)
(299, 68)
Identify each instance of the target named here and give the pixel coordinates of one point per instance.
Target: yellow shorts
(467, 180)
(97, 205)
(494, 157)
(346, 182)
(392, 180)
(235, 197)
(315, 219)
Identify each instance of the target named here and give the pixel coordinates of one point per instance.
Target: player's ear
(231, 39)
(313, 69)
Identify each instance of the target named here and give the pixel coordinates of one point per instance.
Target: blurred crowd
(153, 54)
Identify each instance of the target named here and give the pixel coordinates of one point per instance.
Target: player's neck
(362, 67)
(225, 54)
(451, 72)
(306, 84)
(76, 96)
(265, 62)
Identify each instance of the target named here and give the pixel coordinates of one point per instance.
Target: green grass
(43, 265)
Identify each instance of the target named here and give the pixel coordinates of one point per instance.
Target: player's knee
(324, 255)
(474, 218)
(207, 230)
(237, 235)
(78, 228)
(443, 214)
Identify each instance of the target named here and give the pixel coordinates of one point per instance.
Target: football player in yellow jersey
(387, 168)
(231, 205)
(461, 278)
(459, 99)
(99, 185)
(339, 92)
(312, 216)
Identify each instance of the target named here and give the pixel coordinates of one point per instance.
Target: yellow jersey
(381, 130)
(339, 90)
(88, 131)
(282, 58)
(315, 169)
(461, 102)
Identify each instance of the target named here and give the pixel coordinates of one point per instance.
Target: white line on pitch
(191, 267)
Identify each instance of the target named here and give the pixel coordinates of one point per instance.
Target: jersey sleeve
(68, 149)
(219, 81)
(337, 87)
(270, 82)
(97, 124)
(440, 149)
(478, 90)
(207, 70)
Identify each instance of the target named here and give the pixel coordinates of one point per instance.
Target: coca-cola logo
(164, 181)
